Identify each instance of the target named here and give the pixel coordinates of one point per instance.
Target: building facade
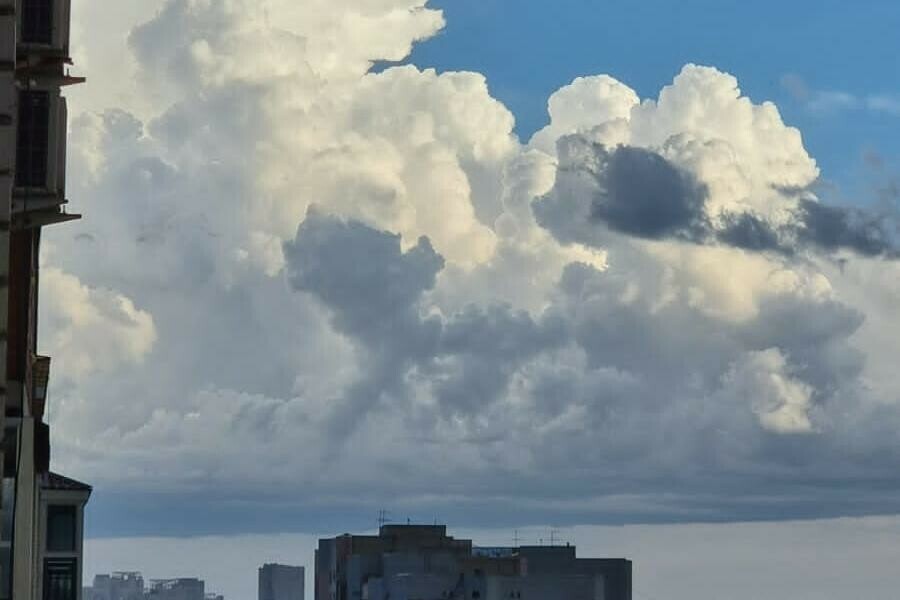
(39, 559)
(421, 562)
(281, 582)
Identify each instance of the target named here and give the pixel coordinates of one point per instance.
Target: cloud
(93, 331)
(639, 192)
(832, 228)
(782, 403)
(363, 280)
(362, 274)
(827, 102)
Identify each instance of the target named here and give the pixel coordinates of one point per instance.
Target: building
(177, 589)
(281, 582)
(129, 585)
(61, 504)
(121, 585)
(406, 562)
(38, 510)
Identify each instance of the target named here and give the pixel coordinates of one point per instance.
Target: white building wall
(24, 557)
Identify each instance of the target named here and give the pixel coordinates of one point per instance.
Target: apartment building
(41, 513)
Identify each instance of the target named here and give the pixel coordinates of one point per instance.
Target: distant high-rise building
(177, 589)
(405, 562)
(281, 582)
(121, 585)
(40, 512)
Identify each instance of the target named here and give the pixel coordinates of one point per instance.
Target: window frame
(33, 139)
(71, 545)
(69, 566)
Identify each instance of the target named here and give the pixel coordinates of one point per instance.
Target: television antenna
(383, 518)
(554, 533)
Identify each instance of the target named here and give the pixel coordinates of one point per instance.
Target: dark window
(33, 141)
(60, 578)
(37, 21)
(60, 528)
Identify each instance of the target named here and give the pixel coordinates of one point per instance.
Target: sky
(820, 66)
(581, 265)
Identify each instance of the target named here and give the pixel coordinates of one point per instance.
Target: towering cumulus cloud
(313, 278)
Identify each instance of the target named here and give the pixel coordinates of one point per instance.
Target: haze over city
(619, 275)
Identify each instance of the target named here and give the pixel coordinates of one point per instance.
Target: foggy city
(449, 299)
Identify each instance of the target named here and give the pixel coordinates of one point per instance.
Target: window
(5, 570)
(37, 21)
(60, 528)
(33, 140)
(60, 579)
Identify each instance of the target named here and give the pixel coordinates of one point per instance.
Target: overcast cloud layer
(361, 288)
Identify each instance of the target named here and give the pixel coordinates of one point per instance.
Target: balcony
(39, 192)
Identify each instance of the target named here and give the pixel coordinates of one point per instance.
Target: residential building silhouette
(41, 513)
(406, 562)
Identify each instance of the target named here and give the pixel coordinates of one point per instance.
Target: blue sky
(833, 46)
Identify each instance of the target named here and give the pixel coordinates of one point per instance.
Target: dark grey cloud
(750, 232)
(831, 228)
(638, 192)
(641, 193)
(362, 275)
(373, 290)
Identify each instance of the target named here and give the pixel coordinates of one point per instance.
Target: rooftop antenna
(383, 518)
(553, 535)
(516, 538)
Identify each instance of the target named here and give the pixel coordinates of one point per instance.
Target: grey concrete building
(421, 562)
(281, 582)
